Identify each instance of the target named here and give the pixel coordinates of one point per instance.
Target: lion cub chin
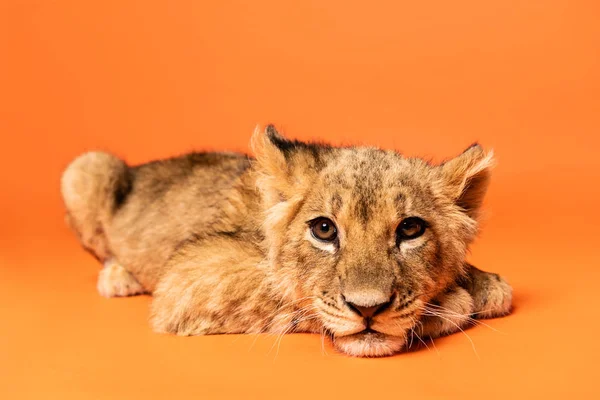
(370, 344)
(363, 245)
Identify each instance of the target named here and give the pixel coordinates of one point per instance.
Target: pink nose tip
(371, 311)
(367, 312)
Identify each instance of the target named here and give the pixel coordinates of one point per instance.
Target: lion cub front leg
(478, 294)
(446, 314)
(115, 281)
(214, 287)
(492, 295)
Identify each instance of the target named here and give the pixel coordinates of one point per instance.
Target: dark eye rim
(313, 223)
(401, 236)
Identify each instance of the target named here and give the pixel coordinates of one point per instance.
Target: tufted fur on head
(363, 244)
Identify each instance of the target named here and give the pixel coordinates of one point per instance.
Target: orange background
(152, 79)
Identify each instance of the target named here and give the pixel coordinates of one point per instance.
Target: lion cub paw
(493, 296)
(116, 281)
(447, 314)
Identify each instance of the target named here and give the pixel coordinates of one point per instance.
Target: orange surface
(153, 79)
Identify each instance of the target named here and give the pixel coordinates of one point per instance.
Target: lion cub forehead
(373, 169)
(367, 183)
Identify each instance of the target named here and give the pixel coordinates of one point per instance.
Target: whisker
(458, 327)
(412, 330)
(471, 320)
(277, 317)
(301, 313)
(422, 341)
(434, 346)
(414, 333)
(323, 350)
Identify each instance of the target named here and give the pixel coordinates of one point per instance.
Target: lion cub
(359, 243)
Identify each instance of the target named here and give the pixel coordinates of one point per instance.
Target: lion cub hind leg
(116, 281)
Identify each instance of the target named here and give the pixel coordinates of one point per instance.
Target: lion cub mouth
(366, 331)
(369, 343)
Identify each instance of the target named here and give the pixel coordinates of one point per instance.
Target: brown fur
(223, 243)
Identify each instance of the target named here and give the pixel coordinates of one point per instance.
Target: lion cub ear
(287, 167)
(466, 178)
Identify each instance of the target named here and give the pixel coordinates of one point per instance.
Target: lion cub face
(365, 237)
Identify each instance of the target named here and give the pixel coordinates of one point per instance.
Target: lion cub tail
(93, 186)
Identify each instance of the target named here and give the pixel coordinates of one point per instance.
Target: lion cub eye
(323, 229)
(411, 228)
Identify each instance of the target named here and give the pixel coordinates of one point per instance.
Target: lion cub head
(364, 236)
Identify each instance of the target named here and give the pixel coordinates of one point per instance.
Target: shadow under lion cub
(362, 244)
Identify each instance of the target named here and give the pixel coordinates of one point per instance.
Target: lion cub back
(139, 215)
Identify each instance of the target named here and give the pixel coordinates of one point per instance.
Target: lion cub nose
(371, 310)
